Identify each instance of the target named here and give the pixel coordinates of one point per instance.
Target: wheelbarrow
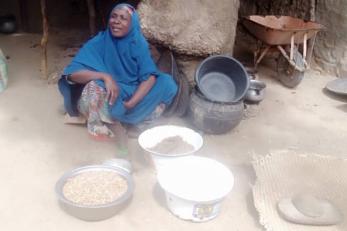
(292, 38)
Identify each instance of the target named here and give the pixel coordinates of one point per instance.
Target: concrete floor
(37, 148)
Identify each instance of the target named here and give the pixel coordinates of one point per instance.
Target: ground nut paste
(172, 145)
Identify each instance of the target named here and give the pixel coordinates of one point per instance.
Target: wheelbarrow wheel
(287, 74)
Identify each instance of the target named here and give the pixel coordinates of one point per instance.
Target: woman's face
(119, 23)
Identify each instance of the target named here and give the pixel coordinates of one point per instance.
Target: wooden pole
(312, 40)
(44, 41)
(23, 22)
(92, 17)
(313, 10)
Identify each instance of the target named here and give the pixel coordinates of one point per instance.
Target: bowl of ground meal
(94, 192)
(168, 142)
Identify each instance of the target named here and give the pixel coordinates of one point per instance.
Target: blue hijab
(126, 59)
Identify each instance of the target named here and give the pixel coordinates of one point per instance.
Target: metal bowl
(98, 212)
(337, 86)
(256, 92)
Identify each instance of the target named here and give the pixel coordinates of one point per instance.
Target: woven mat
(286, 174)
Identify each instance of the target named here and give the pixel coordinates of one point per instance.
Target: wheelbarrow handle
(283, 52)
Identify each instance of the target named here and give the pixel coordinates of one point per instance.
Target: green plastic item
(3, 72)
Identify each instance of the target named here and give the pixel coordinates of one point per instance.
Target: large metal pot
(94, 213)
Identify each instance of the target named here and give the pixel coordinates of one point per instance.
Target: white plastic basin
(195, 187)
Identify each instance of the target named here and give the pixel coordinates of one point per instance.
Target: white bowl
(195, 187)
(151, 137)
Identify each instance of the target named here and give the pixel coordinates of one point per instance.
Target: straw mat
(286, 174)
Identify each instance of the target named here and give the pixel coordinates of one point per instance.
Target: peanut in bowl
(94, 192)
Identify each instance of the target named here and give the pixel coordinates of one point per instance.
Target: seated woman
(113, 77)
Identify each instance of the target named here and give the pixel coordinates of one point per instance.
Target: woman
(113, 77)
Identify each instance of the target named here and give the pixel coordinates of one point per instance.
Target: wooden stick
(44, 41)
(291, 62)
(313, 10)
(292, 47)
(92, 17)
(312, 40)
(305, 46)
(263, 53)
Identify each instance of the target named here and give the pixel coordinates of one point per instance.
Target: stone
(309, 210)
(309, 205)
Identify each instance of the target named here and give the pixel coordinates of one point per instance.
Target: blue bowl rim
(227, 57)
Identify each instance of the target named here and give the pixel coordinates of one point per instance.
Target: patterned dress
(94, 107)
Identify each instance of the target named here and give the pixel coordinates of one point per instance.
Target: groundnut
(94, 188)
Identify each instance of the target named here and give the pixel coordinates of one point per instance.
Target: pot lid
(338, 86)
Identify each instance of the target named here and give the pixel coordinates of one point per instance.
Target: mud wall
(295, 8)
(331, 47)
(197, 28)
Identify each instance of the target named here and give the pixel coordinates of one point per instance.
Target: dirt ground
(37, 147)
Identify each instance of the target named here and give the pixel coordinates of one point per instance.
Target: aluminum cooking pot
(256, 92)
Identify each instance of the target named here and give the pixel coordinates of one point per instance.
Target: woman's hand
(112, 89)
(128, 105)
(140, 93)
(85, 76)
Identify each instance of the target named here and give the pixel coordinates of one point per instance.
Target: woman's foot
(100, 132)
(135, 130)
(74, 119)
(158, 111)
